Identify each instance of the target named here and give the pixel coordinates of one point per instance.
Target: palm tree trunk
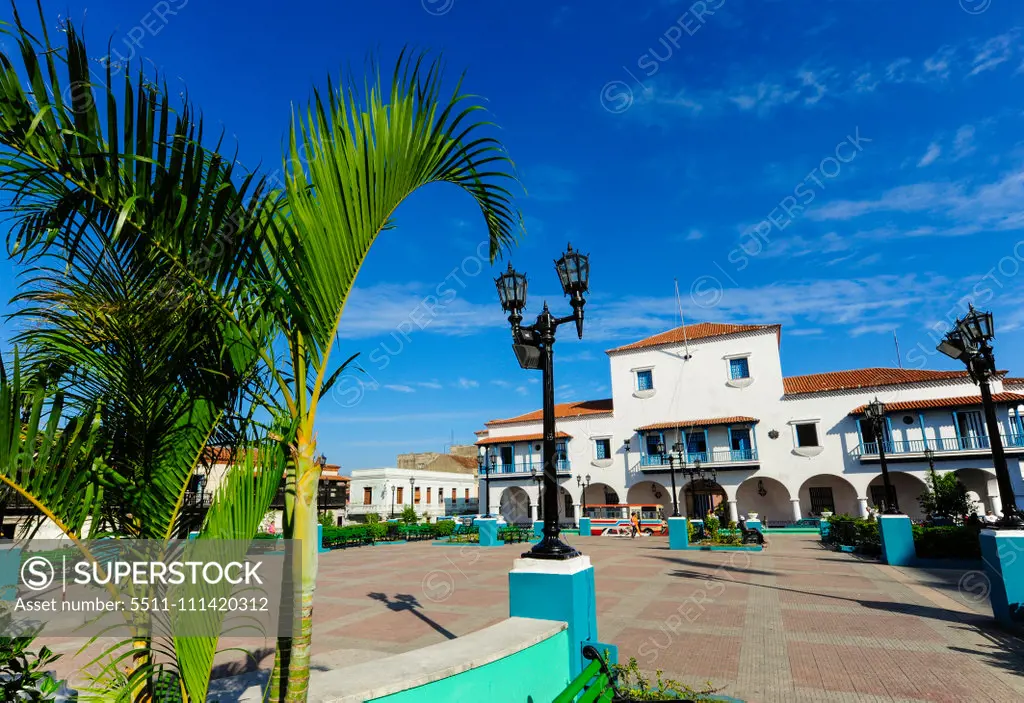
(290, 677)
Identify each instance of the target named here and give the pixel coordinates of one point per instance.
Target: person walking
(634, 519)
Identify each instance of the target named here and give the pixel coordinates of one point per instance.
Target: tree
(945, 496)
(124, 222)
(368, 150)
(409, 516)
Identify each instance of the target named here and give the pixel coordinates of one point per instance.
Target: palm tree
(125, 223)
(367, 149)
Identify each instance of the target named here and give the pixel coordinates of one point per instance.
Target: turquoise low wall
(537, 673)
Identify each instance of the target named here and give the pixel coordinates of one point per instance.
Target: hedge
(846, 530)
(947, 542)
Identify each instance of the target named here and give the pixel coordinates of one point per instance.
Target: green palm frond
(352, 160)
(47, 458)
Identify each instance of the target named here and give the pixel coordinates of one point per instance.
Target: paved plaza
(795, 623)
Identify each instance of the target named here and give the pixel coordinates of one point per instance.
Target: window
(428, 496)
(652, 441)
(867, 431)
(807, 435)
(507, 457)
(367, 495)
(453, 495)
(645, 380)
(560, 452)
(401, 494)
(739, 440)
(739, 368)
(467, 494)
(971, 430)
(416, 496)
(696, 442)
(602, 448)
(822, 500)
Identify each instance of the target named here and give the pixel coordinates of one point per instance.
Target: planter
(752, 516)
(826, 514)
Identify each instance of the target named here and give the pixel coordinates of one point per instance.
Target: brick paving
(794, 623)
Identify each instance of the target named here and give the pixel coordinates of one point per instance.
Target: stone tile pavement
(794, 623)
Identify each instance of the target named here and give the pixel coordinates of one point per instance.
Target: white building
(784, 447)
(388, 491)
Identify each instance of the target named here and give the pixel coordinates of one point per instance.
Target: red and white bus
(652, 517)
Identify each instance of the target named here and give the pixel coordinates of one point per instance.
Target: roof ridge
(695, 331)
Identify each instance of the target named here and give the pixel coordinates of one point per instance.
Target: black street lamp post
(485, 469)
(533, 347)
(678, 449)
(584, 484)
(969, 341)
(393, 489)
(412, 491)
(875, 412)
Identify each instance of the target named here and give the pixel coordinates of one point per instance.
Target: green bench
(596, 683)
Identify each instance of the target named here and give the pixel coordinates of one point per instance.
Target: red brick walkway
(795, 623)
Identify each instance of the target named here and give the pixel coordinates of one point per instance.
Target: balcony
(942, 445)
(527, 467)
(709, 458)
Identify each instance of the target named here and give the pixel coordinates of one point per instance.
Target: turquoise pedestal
(897, 540)
(557, 590)
(584, 527)
(824, 529)
(678, 535)
(538, 528)
(320, 539)
(1002, 552)
(755, 525)
(488, 531)
(193, 535)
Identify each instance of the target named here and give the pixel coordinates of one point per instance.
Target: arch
(908, 489)
(514, 505)
(697, 497)
(827, 487)
(766, 496)
(982, 487)
(652, 492)
(600, 494)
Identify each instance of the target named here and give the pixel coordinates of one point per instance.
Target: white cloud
(466, 383)
(399, 388)
(963, 142)
(433, 385)
(400, 312)
(934, 150)
(501, 384)
(993, 52)
(694, 235)
(522, 390)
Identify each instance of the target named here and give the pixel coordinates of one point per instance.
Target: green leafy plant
(947, 542)
(634, 685)
(409, 516)
(23, 671)
(372, 518)
(444, 528)
(327, 519)
(711, 526)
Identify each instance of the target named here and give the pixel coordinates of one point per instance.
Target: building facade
(388, 491)
(783, 447)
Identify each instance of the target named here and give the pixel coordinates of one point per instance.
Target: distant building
(388, 491)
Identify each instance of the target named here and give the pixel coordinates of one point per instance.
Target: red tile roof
(709, 422)
(520, 438)
(935, 403)
(700, 330)
(864, 378)
(583, 407)
(1016, 381)
(334, 477)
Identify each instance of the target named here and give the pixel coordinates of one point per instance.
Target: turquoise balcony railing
(942, 444)
(527, 466)
(717, 456)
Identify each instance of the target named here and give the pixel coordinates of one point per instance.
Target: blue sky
(842, 168)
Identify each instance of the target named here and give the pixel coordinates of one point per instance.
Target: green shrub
(23, 674)
(409, 516)
(327, 519)
(637, 687)
(855, 532)
(377, 531)
(711, 525)
(372, 518)
(444, 528)
(947, 542)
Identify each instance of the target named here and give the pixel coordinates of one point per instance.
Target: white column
(795, 504)
(995, 504)
(533, 512)
(862, 507)
(577, 511)
(734, 514)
